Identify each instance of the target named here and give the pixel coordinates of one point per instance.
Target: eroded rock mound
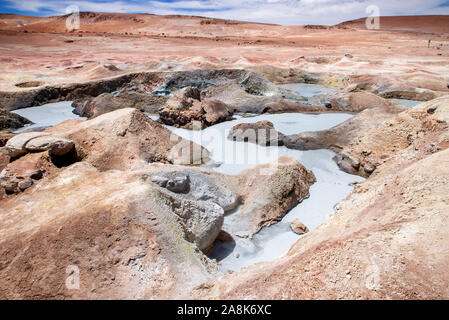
(125, 138)
(358, 101)
(186, 109)
(107, 102)
(422, 130)
(269, 191)
(113, 227)
(37, 142)
(241, 100)
(345, 134)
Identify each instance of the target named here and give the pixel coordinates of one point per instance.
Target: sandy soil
(39, 51)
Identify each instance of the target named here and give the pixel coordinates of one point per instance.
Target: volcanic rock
(269, 191)
(37, 142)
(378, 233)
(16, 146)
(113, 228)
(345, 134)
(298, 227)
(55, 146)
(261, 132)
(185, 109)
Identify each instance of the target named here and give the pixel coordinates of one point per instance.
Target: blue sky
(285, 12)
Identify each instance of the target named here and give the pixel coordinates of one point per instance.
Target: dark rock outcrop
(11, 121)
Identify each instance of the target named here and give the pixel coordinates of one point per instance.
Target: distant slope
(179, 25)
(120, 23)
(425, 24)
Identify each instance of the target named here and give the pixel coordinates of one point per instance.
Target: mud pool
(230, 157)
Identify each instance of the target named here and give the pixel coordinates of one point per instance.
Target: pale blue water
(47, 115)
(407, 103)
(309, 90)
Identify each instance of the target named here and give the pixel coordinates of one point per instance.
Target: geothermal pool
(47, 115)
(231, 157)
(332, 185)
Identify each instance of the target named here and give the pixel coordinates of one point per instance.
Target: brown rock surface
(422, 129)
(126, 137)
(359, 101)
(129, 236)
(240, 100)
(268, 192)
(345, 134)
(110, 226)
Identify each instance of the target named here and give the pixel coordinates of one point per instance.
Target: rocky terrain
(137, 209)
(386, 240)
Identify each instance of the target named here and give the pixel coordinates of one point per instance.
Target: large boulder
(186, 109)
(56, 146)
(201, 220)
(37, 142)
(261, 132)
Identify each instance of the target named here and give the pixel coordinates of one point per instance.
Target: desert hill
(420, 24)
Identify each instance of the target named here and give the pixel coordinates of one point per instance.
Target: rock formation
(130, 234)
(298, 227)
(113, 228)
(126, 137)
(186, 109)
(261, 132)
(37, 142)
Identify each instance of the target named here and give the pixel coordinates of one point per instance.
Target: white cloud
(286, 12)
